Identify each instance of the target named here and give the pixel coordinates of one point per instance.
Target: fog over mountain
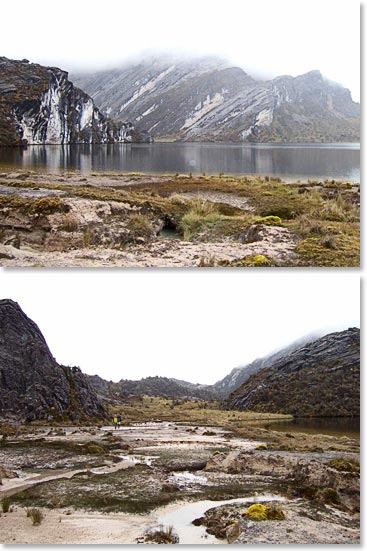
(208, 99)
(265, 38)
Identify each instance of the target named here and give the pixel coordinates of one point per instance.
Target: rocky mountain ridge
(321, 378)
(33, 385)
(239, 375)
(165, 387)
(174, 388)
(209, 100)
(40, 105)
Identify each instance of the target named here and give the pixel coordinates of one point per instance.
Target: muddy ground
(97, 485)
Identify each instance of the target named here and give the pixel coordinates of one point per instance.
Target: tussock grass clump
(5, 504)
(343, 465)
(140, 226)
(261, 512)
(36, 515)
(70, 223)
(164, 535)
(339, 210)
(200, 214)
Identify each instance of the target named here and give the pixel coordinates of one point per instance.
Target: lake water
(333, 161)
(334, 426)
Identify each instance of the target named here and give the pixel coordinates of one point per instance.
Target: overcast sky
(191, 325)
(265, 37)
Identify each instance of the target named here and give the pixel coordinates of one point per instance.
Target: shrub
(36, 515)
(262, 447)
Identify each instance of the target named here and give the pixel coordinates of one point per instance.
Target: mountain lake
(339, 161)
(333, 426)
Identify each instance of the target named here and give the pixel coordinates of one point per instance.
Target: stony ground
(133, 220)
(96, 485)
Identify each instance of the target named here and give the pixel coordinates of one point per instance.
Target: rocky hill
(320, 379)
(32, 384)
(39, 105)
(239, 375)
(174, 388)
(208, 99)
(164, 387)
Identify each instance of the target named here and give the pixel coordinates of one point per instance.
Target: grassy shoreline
(259, 221)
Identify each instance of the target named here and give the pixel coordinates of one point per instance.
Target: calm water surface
(334, 426)
(333, 161)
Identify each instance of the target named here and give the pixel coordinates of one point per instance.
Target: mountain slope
(207, 99)
(239, 375)
(320, 379)
(165, 387)
(32, 384)
(39, 105)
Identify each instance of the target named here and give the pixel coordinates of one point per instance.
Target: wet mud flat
(105, 486)
(144, 220)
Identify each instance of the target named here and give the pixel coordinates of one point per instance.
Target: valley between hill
(98, 485)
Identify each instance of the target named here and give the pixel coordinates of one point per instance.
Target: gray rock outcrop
(208, 99)
(39, 105)
(32, 384)
(321, 378)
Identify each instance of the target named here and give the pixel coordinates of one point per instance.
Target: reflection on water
(339, 161)
(334, 426)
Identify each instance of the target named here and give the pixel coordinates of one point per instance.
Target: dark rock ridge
(164, 387)
(208, 99)
(32, 384)
(39, 105)
(320, 379)
(241, 374)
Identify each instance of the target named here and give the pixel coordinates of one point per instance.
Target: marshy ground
(139, 220)
(99, 485)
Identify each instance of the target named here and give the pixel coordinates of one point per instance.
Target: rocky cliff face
(32, 384)
(39, 105)
(320, 379)
(207, 99)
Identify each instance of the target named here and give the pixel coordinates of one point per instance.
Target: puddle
(185, 478)
(28, 192)
(181, 519)
(138, 426)
(139, 459)
(168, 233)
